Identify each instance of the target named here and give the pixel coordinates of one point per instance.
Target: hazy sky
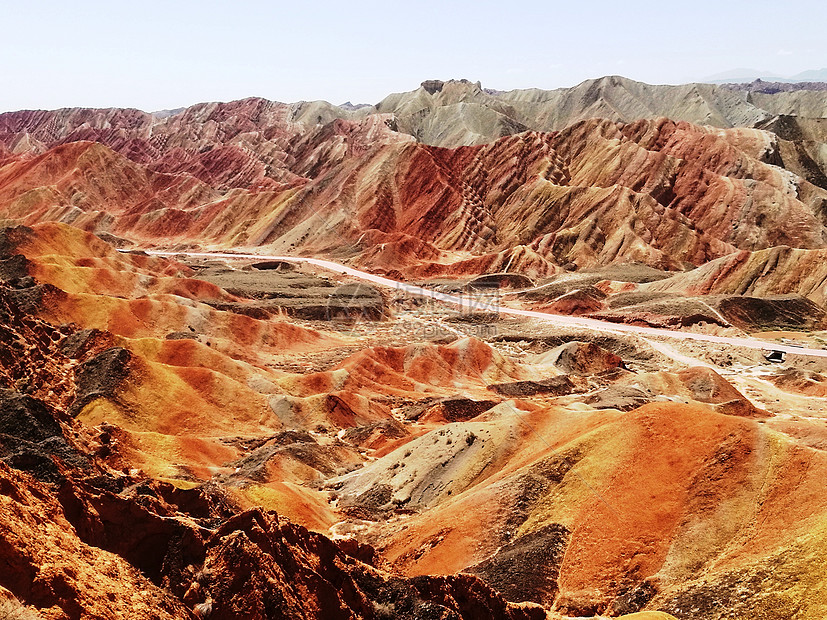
(155, 55)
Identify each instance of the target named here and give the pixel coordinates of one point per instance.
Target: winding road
(472, 303)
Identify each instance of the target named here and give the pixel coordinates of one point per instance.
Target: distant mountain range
(749, 75)
(456, 113)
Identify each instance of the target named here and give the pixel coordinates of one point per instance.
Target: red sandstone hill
(658, 192)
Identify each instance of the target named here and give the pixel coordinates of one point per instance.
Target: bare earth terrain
(268, 361)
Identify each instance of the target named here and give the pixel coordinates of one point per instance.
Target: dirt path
(471, 302)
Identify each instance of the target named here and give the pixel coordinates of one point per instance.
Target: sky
(162, 55)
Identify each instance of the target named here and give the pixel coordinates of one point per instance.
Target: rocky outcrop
(32, 440)
(160, 565)
(48, 567)
(513, 569)
(582, 358)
